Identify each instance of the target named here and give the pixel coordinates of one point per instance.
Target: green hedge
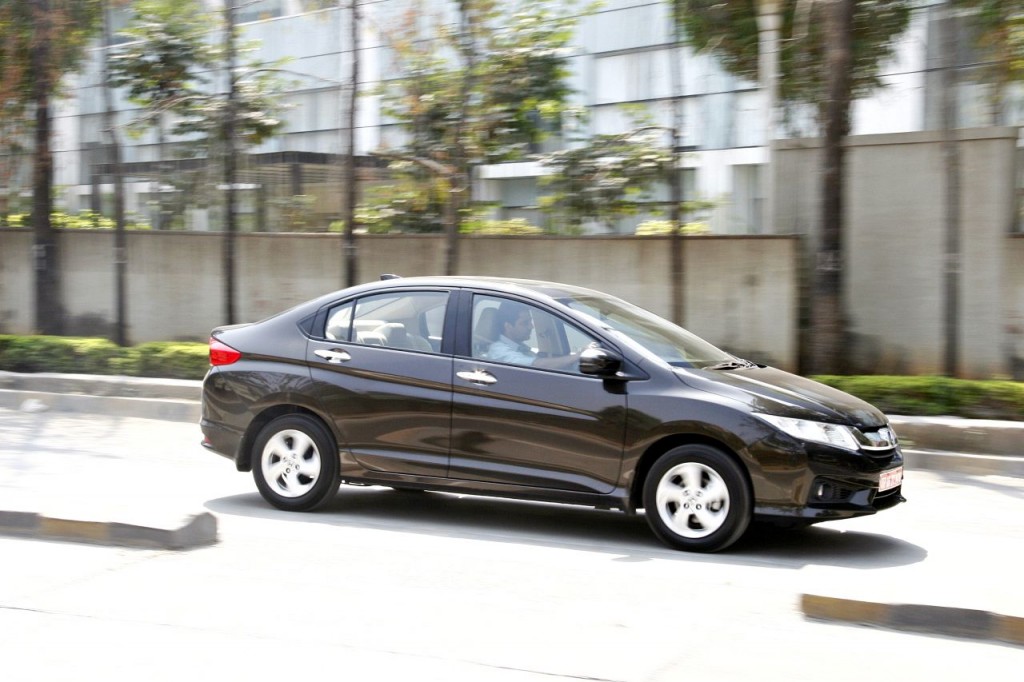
(917, 395)
(70, 355)
(932, 396)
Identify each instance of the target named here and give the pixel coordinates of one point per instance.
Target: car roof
(511, 285)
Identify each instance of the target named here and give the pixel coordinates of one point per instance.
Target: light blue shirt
(507, 350)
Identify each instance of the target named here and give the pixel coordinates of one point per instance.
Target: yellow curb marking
(65, 528)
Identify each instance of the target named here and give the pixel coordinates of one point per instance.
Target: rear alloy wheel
(696, 498)
(295, 463)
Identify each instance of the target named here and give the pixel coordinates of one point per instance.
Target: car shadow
(565, 526)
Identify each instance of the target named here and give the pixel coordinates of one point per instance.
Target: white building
(623, 55)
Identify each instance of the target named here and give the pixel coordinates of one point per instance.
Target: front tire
(696, 499)
(295, 463)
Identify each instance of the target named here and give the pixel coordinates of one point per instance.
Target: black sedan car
(539, 391)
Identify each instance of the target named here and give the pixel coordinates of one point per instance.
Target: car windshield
(671, 343)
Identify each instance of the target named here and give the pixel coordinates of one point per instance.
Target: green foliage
(83, 220)
(69, 355)
(72, 24)
(169, 359)
(513, 226)
(999, 31)
(728, 29)
(930, 395)
(603, 179)
(414, 202)
(665, 227)
(61, 354)
(167, 52)
(485, 90)
(165, 69)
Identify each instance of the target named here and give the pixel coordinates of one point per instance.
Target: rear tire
(696, 499)
(295, 463)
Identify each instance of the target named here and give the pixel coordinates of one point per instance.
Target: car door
(523, 414)
(379, 371)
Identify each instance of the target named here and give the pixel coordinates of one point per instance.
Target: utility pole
(120, 247)
(350, 176)
(951, 160)
(678, 260)
(230, 167)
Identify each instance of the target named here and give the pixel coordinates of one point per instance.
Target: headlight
(817, 432)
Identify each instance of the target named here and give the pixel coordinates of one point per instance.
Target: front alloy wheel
(696, 498)
(295, 463)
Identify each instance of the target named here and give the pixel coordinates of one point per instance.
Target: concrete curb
(100, 385)
(199, 530)
(955, 434)
(963, 463)
(932, 620)
(143, 408)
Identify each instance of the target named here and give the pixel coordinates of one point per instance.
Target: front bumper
(824, 482)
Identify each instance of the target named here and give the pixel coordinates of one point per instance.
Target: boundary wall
(740, 292)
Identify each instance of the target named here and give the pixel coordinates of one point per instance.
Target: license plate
(890, 479)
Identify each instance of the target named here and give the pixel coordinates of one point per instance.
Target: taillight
(222, 354)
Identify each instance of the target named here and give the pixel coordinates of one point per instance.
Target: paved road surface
(390, 586)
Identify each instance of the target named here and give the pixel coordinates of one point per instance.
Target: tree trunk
(49, 313)
(828, 317)
(350, 175)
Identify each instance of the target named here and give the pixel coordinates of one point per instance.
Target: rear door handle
(478, 376)
(333, 355)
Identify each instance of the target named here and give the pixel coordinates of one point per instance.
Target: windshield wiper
(732, 364)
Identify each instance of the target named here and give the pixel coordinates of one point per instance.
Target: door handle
(478, 376)
(333, 356)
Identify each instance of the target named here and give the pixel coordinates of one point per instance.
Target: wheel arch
(663, 445)
(243, 460)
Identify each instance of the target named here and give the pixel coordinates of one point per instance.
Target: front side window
(515, 333)
(407, 320)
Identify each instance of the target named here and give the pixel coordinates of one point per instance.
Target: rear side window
(406, 320)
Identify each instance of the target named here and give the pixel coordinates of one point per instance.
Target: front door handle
(478, 376)
(333, 355)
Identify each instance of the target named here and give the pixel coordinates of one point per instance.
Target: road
(389, 585)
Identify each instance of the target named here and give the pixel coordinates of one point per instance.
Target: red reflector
(221, 353)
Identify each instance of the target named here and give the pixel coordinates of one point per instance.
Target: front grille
(880, 440)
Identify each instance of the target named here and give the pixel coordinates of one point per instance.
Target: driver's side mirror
(600, 362)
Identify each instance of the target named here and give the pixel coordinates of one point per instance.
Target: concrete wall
(740, 292)
(895, 227)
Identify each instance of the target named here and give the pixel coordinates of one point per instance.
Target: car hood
(772, 391)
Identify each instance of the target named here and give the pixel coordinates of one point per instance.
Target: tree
(164, 71)
(602, 179)
(831, 53)
(163, 67)
(999, 30)
(44, 39)
(728, 29)
(486, 90)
